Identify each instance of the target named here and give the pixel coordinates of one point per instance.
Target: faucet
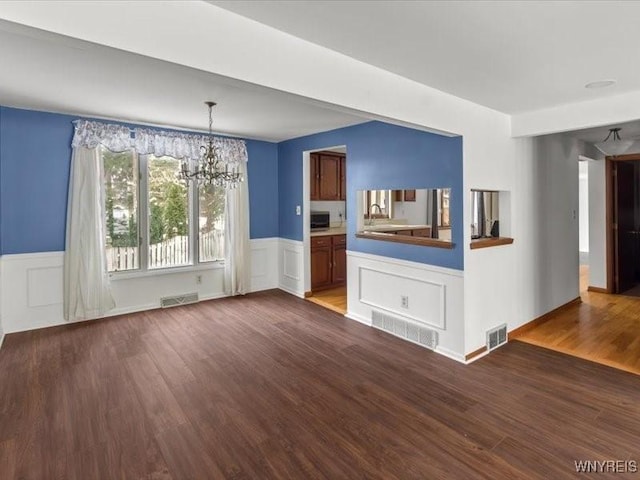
(371, 208)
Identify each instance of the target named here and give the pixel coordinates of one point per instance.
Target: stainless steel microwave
(320, 220)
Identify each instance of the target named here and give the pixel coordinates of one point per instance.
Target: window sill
(126, 275)
(392, 237)
(490, 242)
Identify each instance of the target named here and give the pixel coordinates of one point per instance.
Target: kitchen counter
(331, 231)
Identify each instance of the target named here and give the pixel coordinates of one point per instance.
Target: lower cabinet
(328, 261)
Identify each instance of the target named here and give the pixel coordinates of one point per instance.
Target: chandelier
(211, 170)
(615, 146)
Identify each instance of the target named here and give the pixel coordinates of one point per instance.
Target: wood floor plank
(158, 402)
(270, 386)
(603, 328)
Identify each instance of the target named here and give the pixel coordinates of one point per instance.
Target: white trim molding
(434, 296)
(291, 266)
(31, 286)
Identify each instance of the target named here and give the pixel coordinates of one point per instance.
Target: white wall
(583, 195)
(539, 272)
(376, 283)
(31, 286)
(548, 227)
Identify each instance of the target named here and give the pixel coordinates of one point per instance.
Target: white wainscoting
(31, 286)
(291, 261)
(435, 296)
(264, 263)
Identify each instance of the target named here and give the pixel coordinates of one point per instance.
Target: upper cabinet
(343, 178)
(328, 179)
(314, 177)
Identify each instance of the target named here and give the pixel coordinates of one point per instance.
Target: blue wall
(380, 156)
(35, 156)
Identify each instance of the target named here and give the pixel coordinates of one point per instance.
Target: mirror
(418, 213)
(484, 214)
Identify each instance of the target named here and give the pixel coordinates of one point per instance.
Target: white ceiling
(630, 131)
(510, 56)
(50, 72)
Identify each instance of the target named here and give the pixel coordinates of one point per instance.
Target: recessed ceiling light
(600, 84)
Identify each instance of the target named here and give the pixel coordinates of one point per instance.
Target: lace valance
(187, 146)
(116, 138)
(146, 141)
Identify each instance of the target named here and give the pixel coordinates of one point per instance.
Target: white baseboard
(450, 354)
(358, 318)
(284, 288)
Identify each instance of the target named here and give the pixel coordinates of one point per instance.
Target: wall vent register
(177, 300)
(496, 337)
(407, 330)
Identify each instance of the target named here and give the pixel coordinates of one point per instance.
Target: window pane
(121, 202)
(211, 223)
(168, 214)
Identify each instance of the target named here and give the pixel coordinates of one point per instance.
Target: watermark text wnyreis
(606, 466)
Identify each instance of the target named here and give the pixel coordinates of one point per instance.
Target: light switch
(298, 210)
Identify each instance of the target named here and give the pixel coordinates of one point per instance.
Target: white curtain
(237, 253)
(87, 293)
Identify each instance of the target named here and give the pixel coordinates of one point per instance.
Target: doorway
(325, 233)
(583, 222)
(623, 224)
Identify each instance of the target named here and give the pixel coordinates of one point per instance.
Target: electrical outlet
(404, 301)
(198, 279)
(298, 210)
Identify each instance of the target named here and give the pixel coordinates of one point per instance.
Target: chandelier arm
(610, 132)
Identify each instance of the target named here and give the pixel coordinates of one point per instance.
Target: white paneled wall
(291, 260)
(31, 285)
(434, 296)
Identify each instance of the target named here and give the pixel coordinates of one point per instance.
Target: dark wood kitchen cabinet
(321, 262)
(339, 257)
(343, 178)
(328, 261)
(404, 195)
(314, 177)
(327, 176)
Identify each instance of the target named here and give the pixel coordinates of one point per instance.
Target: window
(210, 223)
(168, 214)
(178, 219)
(121, 202)
(378, 204)
(444, 207)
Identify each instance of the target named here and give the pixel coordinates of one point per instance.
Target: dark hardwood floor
(271, 386)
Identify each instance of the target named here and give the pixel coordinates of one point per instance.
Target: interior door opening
(327, 228)
(624, 226)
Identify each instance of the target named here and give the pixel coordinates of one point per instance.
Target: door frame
(306, 206)
(610, 240)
